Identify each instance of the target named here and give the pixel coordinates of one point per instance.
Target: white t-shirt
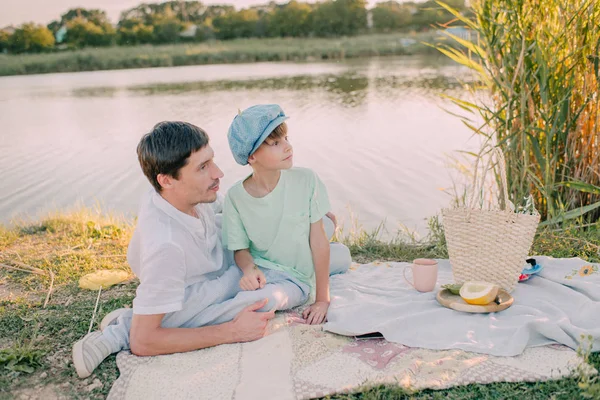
(171, 250)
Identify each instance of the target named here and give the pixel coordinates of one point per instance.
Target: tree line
(193, 21)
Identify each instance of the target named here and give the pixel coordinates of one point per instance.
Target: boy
(273, 219)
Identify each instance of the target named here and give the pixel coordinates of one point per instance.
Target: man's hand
(253, 279)
(251, 325)
(316, 313)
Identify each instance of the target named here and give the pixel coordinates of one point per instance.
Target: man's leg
(94, 347)
(232, 284)
(197, 298)
(91, 350)
(111, 317)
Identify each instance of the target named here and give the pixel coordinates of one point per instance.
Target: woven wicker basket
(489, 245)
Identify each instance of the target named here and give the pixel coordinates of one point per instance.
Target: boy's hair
(279, 132)
(166, 149)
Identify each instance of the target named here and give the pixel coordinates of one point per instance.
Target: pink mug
(425, 273)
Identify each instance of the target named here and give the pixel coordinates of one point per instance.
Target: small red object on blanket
(524, 277)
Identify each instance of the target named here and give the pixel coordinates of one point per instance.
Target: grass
(36, 341)
(216, 52)
(40, 338)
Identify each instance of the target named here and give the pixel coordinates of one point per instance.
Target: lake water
(373, 129)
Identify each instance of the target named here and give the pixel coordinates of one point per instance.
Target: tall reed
(539, 62)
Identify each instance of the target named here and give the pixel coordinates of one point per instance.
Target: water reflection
(372, 128)
(348, 89)
(96, 92)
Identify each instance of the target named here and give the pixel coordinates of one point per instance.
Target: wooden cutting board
(455, 302)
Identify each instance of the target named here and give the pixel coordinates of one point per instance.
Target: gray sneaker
(89, 352)
(112, 317)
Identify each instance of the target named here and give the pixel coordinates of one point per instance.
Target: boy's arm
(244, 260)
(253, 277)
(319, 247)
(148, 338)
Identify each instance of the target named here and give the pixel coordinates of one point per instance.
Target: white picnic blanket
(298, 361)
(556, 306)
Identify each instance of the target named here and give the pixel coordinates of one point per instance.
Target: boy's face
(273, 154)
(198, 180)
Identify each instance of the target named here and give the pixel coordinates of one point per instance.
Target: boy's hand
(316, 313)
(253, 279)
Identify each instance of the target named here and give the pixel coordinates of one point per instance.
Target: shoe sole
(78, 362)
(110, 317)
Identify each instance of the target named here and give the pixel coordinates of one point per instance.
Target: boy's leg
(92, 349)
(282, 292)
(339, 258)
(329, 227)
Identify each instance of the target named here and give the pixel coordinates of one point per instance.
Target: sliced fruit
(479, 293)
(454, 288)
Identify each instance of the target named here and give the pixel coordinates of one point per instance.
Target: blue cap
(251, 127)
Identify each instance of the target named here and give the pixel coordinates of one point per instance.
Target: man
(186, 299)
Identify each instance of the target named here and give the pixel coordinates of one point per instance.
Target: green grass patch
(217, 52)
(35, 342)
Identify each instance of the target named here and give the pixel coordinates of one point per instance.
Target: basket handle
(503, 185)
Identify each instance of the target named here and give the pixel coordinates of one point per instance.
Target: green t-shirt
(276, 228)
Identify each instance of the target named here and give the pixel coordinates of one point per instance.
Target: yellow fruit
(479, 293)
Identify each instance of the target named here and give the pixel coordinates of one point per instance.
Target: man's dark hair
(166, 149)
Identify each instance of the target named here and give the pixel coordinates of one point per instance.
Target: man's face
(198, 180)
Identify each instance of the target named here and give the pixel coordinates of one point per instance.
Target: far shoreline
(216, 52)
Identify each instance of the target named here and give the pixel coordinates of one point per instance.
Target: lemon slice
(479, 293)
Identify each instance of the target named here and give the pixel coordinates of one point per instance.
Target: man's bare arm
(149, 338)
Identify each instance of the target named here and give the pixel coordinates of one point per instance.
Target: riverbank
(36, 340)
(218, 52)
